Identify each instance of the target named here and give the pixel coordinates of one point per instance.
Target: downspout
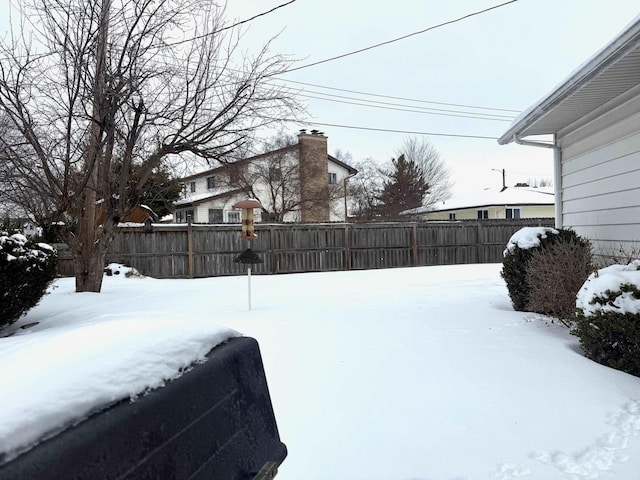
(344, 181)
(557, 172)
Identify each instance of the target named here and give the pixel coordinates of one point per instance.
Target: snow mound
(118, 269)
(529, 237)
(609, 279)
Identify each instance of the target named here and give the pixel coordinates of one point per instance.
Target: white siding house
(594, 118)
(301, 182)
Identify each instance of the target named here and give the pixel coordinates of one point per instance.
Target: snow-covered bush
(520, 249)
(608, 319)
(555, 274)
(26, 270)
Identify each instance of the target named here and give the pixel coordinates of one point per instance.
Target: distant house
(297, 183)
(508, 203)
(594, 117)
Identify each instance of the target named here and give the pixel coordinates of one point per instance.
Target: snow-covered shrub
(555, 274)
(608, 319)
(520, 249)
(26, 270)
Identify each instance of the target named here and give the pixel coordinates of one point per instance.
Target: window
(452, 216)
(275, 174)
(483, 214)
(233, 217)
(192, 187)
(184, 216)
(333, 178)
(512, 213)
(235, 173)
(211, 182)
(215, 215)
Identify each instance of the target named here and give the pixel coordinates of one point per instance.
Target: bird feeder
(247, 207)
(248, 257)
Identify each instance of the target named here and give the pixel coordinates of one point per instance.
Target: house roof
(212, 171)
(349, 168)
(611, 72)
(511, 196)
(198, 198)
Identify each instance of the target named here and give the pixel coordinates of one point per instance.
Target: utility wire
(479, 12)
(399, 98)
(204, 35)
(354, 127)
(414, 108)
(405, 109)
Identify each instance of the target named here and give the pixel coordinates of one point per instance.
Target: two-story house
(296, 183)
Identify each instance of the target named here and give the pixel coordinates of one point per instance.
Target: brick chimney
(314, 184)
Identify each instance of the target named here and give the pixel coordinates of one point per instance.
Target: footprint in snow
(604, 453)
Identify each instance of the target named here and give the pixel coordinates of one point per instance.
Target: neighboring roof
(198, 198)
(212, 171)
(349, 168)
(609, 73)
(220, 168)
(511, 196)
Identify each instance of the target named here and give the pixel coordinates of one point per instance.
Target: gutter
(557, 172)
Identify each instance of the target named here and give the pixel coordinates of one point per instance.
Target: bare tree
(109, 85)
(432, 167)
(364, 189)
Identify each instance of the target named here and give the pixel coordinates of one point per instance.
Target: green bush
(608, 318)
(26, 270)
(515, 265)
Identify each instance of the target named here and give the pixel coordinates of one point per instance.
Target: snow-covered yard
(421, 373)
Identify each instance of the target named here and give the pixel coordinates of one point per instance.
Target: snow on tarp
(528, 237)
(610, 279)
(55, 374)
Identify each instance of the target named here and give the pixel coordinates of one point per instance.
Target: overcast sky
(506, 58)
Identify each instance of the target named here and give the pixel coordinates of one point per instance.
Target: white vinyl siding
(601, 178)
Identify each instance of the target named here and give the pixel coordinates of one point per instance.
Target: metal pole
(249, 278)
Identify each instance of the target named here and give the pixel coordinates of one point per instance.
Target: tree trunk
(90, 248)
(88, 266)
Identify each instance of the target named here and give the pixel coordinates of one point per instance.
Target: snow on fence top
(591, 297)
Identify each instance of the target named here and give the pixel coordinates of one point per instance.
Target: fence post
(414, 241)
(272, 239)
(347, 247)
(190, 248)
(479, 244)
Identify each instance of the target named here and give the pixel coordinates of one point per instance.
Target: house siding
(601, 178)
(311, 151)
(526, 211)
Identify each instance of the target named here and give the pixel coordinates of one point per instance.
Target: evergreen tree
(404, 189)
(160, 191)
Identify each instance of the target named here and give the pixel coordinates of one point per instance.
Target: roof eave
(627, 39)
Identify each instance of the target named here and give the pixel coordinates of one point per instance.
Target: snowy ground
(403, 374)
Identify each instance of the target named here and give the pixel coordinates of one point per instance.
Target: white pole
(249, 278)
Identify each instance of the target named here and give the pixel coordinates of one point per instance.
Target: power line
(198, 37)
(406, 109)
(425, 109)
(204, 35)
(479, 12)
(400, 98)
(373, 129)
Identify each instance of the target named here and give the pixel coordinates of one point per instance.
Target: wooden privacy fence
(192, 251)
